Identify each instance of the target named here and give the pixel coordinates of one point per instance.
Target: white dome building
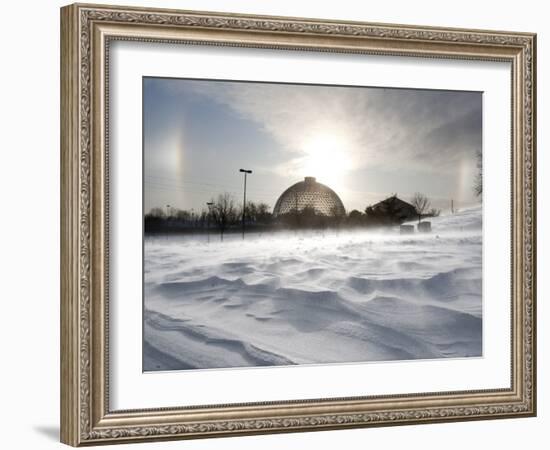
(309, 193)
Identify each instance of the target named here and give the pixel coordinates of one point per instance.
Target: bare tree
(223, 212)
(421, 203)
(171, 212)
(264, 213)
(183, 215)
(251, 212)
(478, 181)
(157, 212)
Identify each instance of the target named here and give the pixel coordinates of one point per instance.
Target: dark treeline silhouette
(478, 181)
(223, 215)
(309, 218)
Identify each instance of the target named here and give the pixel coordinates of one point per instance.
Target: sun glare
(326, 158)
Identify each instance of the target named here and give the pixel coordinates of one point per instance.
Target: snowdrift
(310, 298)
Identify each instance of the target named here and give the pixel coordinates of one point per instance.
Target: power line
(190, 180)
(206, 192)
(168, 182)
(165, 179)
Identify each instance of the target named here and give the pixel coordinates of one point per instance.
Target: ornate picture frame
(87, 31)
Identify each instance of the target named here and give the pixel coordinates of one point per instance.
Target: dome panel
(309, 193)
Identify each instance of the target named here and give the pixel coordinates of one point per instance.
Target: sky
(365, 143)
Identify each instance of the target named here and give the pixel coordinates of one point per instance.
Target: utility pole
(452, 207)
(167, 211)
(246, 172)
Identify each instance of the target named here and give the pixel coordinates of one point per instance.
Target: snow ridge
(313, 298)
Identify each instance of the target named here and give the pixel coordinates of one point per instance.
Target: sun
(326, 157)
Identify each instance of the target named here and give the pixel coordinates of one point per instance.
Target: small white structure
(425, 227)
(406, 229)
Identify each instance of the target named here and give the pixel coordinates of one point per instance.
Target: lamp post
(167, 223)
(209, 204)
(246, 172)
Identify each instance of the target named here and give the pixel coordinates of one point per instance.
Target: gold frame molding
(86, 31)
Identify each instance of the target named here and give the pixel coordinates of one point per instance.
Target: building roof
(394, 207)
(393, 202)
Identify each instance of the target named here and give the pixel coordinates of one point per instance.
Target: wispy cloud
(363, 142)
(374, 127)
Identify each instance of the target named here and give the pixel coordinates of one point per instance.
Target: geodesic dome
(309, 193)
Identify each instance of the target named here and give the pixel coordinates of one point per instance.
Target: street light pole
(209, 204)
(246, 172)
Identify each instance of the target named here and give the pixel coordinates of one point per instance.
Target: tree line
(224, 215)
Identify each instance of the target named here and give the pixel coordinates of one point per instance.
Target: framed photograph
(275, 224)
